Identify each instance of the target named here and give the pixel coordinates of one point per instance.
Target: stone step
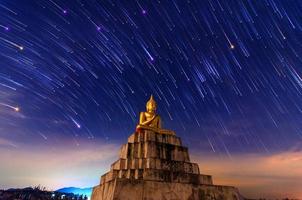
(151, 149)
(155, 163)
(123, 189)
(157, 175)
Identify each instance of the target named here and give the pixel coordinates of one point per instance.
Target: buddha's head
(151, 105)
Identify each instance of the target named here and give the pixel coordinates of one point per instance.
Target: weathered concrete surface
(155, 166)
(124, 189)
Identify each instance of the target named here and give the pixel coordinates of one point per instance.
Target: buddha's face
(151, 107)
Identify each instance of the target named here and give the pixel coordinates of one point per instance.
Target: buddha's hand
(148, 121)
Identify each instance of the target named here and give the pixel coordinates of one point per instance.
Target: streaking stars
(76, 123)
(15, 108)
(227, 69)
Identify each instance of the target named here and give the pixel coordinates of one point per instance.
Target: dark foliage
(37, 193)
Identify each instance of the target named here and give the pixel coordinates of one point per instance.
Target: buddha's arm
(143, 121)
(147, 122)
(142, 118)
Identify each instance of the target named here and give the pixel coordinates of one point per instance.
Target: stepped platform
(156, 166)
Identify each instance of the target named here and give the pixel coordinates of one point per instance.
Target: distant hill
(38, 193)
(76, 191)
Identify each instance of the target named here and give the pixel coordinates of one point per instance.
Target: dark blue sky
(226, 74)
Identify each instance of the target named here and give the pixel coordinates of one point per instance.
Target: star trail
(226, 75)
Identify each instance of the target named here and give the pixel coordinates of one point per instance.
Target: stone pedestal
(155, 166)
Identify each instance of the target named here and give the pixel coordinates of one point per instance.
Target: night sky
(226, 75)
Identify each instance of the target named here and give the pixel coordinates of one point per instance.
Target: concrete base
(124, 189)
(154, 166)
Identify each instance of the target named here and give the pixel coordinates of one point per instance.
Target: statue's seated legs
(156, 130)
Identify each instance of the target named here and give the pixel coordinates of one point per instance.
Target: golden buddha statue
(149, 120)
